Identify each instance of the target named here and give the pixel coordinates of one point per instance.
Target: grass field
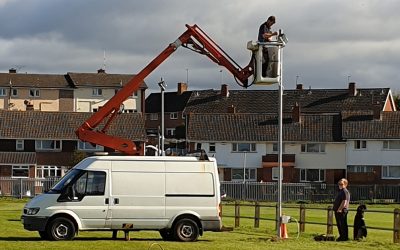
(13, 236)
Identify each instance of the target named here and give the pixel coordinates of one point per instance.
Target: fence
(25, 187)
(302, 221)
(311, 192)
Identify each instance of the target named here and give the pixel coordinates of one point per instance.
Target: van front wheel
(61, 229)
(186, 230)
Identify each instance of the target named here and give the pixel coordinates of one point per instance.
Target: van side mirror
(67, 194)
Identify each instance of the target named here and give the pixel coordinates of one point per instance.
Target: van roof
(147, 158)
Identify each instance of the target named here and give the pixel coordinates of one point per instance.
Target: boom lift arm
(194, 39)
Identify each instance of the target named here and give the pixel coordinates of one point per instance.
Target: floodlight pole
(280, 145)
(163, 86)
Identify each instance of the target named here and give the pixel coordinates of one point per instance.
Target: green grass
(13, 236)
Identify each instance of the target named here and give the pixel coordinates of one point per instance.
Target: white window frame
(275, 173)
(251, 174)
(360, 169)
(386, 171)
(211, 146)
(153, 116)
(238, 147)
(19, 145)
(173, 115)
(48, 171)
(388, 145)
(170, 131)
(308, 147)
(275, 147)
(34, 92)
(86, 146)
(360, 144)
(19, 167)
(97, 92)
(3, 92)
(39, 145)
(14, 92)
(303, 172)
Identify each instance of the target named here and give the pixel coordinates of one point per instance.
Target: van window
(90, 183)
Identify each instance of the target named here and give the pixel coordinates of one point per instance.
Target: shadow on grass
(87, 239)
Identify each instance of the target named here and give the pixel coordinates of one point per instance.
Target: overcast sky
(330, 41)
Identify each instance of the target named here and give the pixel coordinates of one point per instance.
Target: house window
(275, 147)
(48, 171)
(211, 147)
(135, 94)
(173, 115)
(20, 171)
(390, 172)
(14, 92)
(34, 92)
(237, 174)
(153, 116)
(97, 92)
(19, 145)
(51, 145)
(360, 144)
(198, 146)
(275, 173)
(313, 148)
(243, 147)
(3, 92)
(391, 145)
(360, 169)
(309, 175)
(170, 131)
(86, 146)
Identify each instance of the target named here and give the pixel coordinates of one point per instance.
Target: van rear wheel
(61, 229)
(186, 230)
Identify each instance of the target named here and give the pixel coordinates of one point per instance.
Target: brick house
(41, 144)
(240, 129)
(174, 104)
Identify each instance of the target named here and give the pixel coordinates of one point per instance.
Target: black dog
(360, 229)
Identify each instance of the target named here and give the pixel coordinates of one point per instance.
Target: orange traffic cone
(284, 234)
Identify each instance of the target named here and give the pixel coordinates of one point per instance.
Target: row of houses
(328, 133)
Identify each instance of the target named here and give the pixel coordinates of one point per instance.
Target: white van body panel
(137, 193)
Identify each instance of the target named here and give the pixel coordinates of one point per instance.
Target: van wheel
(186, 230)
(44, 235)
(61, 229)
(166, 235)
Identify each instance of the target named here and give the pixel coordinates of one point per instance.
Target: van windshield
(66, 180)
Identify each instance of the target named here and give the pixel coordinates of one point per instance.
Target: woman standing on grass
(341, 207)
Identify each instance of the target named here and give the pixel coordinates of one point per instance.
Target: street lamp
(163, 86)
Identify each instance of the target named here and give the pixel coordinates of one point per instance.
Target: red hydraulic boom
(194, 39)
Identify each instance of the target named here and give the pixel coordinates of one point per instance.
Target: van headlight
(32, 211)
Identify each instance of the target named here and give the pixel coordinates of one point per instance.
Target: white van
(178, 196)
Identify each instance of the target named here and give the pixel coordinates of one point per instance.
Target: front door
(90, 199)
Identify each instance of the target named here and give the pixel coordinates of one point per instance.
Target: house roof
(362, 125)
(262, 127)
(266, 101)
(18, 158)
(62, 125)
(173, 102)
(100, 80)
(33, 80)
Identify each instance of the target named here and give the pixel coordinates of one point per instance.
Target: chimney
(182, 87)
(231, 109)
(99, 71)
(224, 90)
(299, 86)
(12, 71)
(352, 89)
(376, 108)
(296, 113)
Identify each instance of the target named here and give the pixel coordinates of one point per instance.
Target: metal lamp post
(163, 86)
